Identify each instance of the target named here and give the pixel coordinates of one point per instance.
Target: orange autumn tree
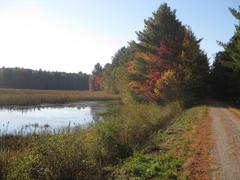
(153, 74)
(168, 63)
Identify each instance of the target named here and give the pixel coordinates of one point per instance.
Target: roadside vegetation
(235, 110)
(168, 153)
(153, 142)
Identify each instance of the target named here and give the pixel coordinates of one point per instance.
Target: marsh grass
(24, 97)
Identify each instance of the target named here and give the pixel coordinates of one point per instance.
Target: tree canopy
(226, 67)
(168, 63)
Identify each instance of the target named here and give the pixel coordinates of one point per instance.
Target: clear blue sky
(73, 35)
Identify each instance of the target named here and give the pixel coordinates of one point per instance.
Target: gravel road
(226, 147)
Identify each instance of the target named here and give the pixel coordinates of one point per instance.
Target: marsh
(52, 118)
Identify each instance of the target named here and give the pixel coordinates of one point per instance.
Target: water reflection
(50, 118)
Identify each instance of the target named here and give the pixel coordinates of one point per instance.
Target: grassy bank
(140, 141)
(169, 151)
(34, 97)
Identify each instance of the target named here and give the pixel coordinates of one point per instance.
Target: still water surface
(24, 120)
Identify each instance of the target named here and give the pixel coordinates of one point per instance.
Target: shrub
(92, 152)
(120, 135)
(142, 166)
(59, 157)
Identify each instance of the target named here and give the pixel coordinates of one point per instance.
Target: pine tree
(162, 26)
(226, 68)
(193, 68)
(168, 63)
(233, 47)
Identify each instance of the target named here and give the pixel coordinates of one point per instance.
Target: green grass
(136, 141)
(24, 97)
(141, 166)
(168, 151)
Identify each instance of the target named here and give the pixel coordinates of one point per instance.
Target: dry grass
(90, 153)
(10, 97)
(200, 163)
(138, 141)
(235, 111)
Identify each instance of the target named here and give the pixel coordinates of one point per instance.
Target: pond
(51, 118)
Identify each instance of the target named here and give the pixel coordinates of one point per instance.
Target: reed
(24, 97)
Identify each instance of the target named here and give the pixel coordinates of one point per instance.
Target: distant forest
(31, 79)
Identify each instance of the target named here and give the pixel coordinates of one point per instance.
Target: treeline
(31, 79)
(167, 64)
(225, 75)
(164, 64)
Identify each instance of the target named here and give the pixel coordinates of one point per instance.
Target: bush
(59, 157)
(92, 152)
(127, 131)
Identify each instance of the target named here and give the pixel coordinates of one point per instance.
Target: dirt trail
(226, 148)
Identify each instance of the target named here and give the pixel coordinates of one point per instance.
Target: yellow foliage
(165, 87)
(148, 57)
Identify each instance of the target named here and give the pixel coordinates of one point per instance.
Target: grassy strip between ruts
(136, 141)
(26, 97)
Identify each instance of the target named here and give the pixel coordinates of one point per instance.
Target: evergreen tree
(226, 68)
(233, 47)
(193, 68)
(162, 26)
(168, 63)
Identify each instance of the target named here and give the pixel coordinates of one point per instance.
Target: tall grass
(171, 157)
(10, 97)
(130, 128)
(91, 152)
(118, 147)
